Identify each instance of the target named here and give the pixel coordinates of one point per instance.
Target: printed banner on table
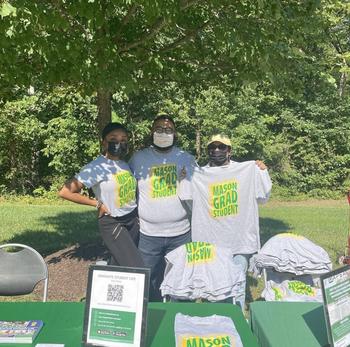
(116, 306)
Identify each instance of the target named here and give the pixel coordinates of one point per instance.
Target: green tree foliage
(71, 134)
(44, 139)
(112, 45)
(21, 137)
(335, 53)
(305, 141)
(270, 74)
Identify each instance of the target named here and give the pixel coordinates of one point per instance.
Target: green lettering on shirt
(163, 181)
(223, 199)
(199, 252)
(125, 188)
(206, 341)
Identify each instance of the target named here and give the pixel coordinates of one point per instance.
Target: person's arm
(71, 191)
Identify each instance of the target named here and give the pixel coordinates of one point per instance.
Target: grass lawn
(49, 227)
(326, 223)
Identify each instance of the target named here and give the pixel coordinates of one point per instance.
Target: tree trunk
(342, 82)
(104, 98)
(198, 140)
(198, 123)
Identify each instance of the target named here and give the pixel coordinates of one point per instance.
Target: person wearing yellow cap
(225, 196)
(219, 149)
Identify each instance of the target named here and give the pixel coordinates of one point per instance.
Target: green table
(63, 321)
(288, 324)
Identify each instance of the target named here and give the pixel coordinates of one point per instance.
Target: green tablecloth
(63, 321)
(288, 324)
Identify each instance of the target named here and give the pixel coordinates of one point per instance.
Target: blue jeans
(153, 250)
(243, 261)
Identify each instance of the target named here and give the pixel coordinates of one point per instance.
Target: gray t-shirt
(207, 331)
(291, 291)
(225, 204)
(288, 252)
(161, 211)
(201, 270)
(112, 182)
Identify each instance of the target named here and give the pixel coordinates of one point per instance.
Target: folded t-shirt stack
(291, 291)
(200, 270)
(206, 331)
(291, 253)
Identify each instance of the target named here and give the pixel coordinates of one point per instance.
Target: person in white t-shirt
(164, 221)
(114, 186)
(225, 196)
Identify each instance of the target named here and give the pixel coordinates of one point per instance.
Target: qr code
(115, 292)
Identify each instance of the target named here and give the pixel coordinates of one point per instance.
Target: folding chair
(21, 270)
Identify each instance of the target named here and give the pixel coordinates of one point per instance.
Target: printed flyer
(116, 306)
(336, 295)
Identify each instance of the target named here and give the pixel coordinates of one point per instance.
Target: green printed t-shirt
(210, 331)
(112, 182)
(161, 212)
(225, 205)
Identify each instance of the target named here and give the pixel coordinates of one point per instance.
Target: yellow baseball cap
(219, 138)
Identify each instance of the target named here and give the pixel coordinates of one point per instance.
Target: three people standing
(225, 196)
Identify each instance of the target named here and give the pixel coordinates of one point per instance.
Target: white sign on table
(116, 306)
(336, 303)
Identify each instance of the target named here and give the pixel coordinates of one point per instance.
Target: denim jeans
(153, 250)
(243, 261)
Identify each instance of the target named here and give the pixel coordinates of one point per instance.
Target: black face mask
(117, 149)
(218, 157)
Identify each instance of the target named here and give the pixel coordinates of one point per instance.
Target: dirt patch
(68, 270)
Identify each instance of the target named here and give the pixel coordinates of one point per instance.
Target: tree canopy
(272, 75)
(105, 46)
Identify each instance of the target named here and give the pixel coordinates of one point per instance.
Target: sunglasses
(221, 146)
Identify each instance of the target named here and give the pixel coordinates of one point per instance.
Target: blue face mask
(117, 149)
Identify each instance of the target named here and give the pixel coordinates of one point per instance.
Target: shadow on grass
(270, 227)
(64, 230)
(80, 228)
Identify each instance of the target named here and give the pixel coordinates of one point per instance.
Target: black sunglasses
(221, 146)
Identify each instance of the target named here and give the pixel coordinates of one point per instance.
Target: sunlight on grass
(47, 228)
(326, 223)
(50, 227)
